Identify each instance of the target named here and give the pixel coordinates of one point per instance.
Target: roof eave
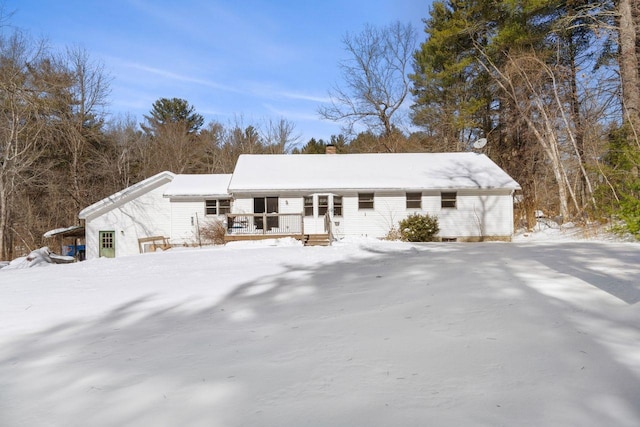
(360, 189)
(105, 204)
(197, 196)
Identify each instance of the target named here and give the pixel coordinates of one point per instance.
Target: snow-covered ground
(539, 332)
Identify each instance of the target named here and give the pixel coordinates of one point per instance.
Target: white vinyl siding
(186, 216)
(477, 213)
(145, 215)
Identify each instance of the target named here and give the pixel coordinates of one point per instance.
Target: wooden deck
(243, 227)
(306, 239)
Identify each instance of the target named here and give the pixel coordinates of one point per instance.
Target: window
(308, 205)
(268, 205)
(217, 207)
(337, 205)
(323, 205)
(224, 206)
(211, 207)
(414, 200)
(365, 201)
(448, 200)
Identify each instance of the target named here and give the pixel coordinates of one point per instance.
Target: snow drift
(363, 333)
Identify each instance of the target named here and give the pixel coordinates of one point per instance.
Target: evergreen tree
(172, 111)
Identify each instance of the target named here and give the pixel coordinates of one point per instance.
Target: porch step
(316, 240)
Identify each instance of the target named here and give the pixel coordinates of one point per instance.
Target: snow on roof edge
(61, 230)
(198, 185)
(109, 200)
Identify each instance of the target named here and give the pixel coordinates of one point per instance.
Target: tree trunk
(630, 61)
(4, 223)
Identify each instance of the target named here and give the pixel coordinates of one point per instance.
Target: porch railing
(264, 223)
(328, 226)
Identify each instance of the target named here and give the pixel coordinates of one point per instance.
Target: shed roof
(128, 193)
(72, 231)
(375, 171)
(210, 185)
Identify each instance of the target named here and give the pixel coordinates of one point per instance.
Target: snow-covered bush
(419, 228)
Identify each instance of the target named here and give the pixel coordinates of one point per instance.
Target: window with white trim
(448, 200)
(414, 200)
(217, 207)
(211, 207)
(308, 205)
(337, 205)
(224, 206)
(323, 205)
(365, 200)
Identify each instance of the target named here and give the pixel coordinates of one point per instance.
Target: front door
(321, 204)
(107, 244)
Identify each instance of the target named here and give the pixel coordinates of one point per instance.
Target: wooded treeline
(553, 86)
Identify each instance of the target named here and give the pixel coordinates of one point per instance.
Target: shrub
(393, 234)
(213, 232)
(629, 212)
(419, 228)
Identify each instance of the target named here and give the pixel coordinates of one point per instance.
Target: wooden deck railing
(265, 224)
(328, 226)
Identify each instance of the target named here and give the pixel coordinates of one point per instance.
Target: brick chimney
(330, 149)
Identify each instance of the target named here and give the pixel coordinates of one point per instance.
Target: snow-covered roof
(128, 193)
(65, 231)
(388, 171)
(198, 186)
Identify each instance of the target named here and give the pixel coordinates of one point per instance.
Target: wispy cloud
(302, 115)
(181, 77)
(305, 97)
(270, 91)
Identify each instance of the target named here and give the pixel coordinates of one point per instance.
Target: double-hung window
(414, 200)
(337, 205)
(323, 205)
(224, 206)
(448, 200)
(217, 207)
(308, 205)
(365, 200)
(211, 207)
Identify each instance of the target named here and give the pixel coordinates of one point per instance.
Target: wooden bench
(157, 242)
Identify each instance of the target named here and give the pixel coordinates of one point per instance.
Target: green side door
(107, 244)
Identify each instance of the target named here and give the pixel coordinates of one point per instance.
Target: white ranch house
(314, 198)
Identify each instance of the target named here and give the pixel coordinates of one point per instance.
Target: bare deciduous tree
(29, 83)
(280, 136)
(540, 99)
(376, 81)
(629, 59)
(82, 122)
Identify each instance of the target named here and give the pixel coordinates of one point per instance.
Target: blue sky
(245, 60)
